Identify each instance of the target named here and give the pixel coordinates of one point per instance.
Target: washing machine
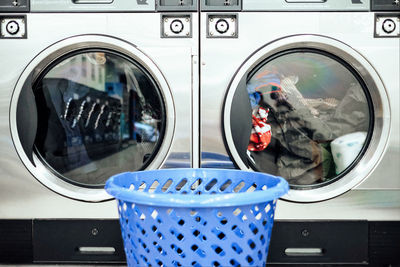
(309, 90)
(89, 89)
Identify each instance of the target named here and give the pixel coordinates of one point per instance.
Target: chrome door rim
(40, 63)
(378, 93)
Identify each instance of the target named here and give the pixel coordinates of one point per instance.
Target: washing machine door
(88, 108)
(309, 109)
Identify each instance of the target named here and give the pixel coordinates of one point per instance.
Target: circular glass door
(99, 114)
(313, 112)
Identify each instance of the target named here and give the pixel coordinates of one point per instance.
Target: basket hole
(180, 237)
(252, 188)
(196, 233)
(221, 235)
(264, 187)
(194, 247)
(244, 218)
(142, 187)
(219, 214)
(160, 263)
(124, 207)
(224, 221)
(176, 263)
(250, 260)
(258, 216)
(237, 248)
(181, 184)
(260, 255)
(181, 222)
(201, 253)
(218, 250)
(225, 185)
(211, 184)
(216, 264)
(234, 263)
(166, 185)
(267, 208)
(193, 212)
(154, 228)
(204, 237)
(144, 258)
(142, 217)
(169, 211)
(143, 232)
(131, 187)
(154, 214)
(154, 186)
(239, 187)
(264, 222)
(196, 184)
(253, 228)
(198, 219)
(262, 239)
(239, 232)
(196, 264)
(237, 211)
(160, 236)
(252, 245)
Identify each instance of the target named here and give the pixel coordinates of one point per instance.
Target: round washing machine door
(309, 109)
(87, 108)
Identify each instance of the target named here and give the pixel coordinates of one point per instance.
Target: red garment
(261, 132)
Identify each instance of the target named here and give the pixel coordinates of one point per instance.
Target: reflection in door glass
(99, 114)
(310, 118)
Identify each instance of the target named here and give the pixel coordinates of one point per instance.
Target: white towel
(346, 148)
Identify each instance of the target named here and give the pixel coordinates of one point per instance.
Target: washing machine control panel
(176, 26)
(387, 25)
(12, 27)
(222, 26)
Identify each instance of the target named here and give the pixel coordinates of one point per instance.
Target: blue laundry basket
(196, 217)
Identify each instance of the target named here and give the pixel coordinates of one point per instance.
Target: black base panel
(77, 241)
(319, 242)
(343, 243)
(16, 241)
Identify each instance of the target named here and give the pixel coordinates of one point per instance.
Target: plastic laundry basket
(196, 217)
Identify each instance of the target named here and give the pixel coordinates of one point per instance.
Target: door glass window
(99, 114)
(310, 117)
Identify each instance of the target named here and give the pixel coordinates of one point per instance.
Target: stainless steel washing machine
(309, 90)
(88, 89)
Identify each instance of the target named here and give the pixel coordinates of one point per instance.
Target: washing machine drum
(303, 114)
(98, 113)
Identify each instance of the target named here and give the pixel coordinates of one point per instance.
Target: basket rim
(196, 201)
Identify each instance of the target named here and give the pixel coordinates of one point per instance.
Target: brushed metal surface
(21, 195)
(353, 29)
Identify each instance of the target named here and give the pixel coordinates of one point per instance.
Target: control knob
(388, 26)
(176, 26)
(222, 26)
(12, 27)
